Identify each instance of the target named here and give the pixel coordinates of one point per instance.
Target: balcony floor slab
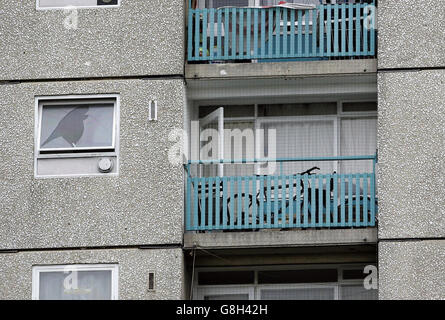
(280, 69)
(273, 238)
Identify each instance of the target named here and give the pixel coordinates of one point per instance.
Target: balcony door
(211, 132)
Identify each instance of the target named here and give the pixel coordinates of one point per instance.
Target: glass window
(235, 111)
(76, 126)
(357, 292)
(75, 3)
(226, 3)
(358, 136)
(359, 106)
(297, 276)
(85, 282)
(297, 109)
(275, 2)
(295, 139)
(229, 296)
(353, 274)
(226, 277)
(298, 294)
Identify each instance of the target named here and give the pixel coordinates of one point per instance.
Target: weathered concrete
(273, 238)
(142, 205)
(134, 267)
(273, 91)
(412, 270)
(282, 255)
(136, 38)
(279, 69)
(411, 33)
(411, 142)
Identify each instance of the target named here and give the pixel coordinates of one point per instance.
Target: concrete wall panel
(412, 270)
(137, 38)
(134, 267)
(411, 141)
(411, 33)
(143, 205)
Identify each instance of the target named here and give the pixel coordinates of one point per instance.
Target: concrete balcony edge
(272, 238)
(280, 69)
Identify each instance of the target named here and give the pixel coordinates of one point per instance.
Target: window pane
(75, 285)
(359, 106)
(298, 294)
(357, 292)
(233, 296)
(353, 274)
(77, 126)
(297, 109)
(226, 3)
(297, 276)
(300, 139)
(83, 3)
(275, 2)
(228, 277)
(234, 111)
(358, 137)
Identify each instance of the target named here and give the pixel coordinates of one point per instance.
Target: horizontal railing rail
(328, 31)
(300, 200)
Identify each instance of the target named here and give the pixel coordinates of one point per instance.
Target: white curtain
(302, 139)
(358, 137)
(357, 292)
(238, 144)
(91, 285)
(298, 294)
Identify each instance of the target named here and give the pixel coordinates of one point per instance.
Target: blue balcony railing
(281, 201)
(273, 34)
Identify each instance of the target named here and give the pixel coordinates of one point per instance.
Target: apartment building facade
(221, 149)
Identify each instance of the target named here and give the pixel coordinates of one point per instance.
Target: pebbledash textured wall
(411, 142)
(412, 270)
(137, 38)
(411, 33)
(141, 206)
(412, 154)
(134, 268)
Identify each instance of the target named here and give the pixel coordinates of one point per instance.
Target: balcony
(323, 32)
(285, 200)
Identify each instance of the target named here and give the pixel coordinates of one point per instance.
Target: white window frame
(114, 268)
(38, 7)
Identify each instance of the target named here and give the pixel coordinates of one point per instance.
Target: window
(75, 282)
(222, 3)
(74, 133)
(300, 282)
(227, 277)
(53, 4)
(226, 3)
(69, 126)
(302, 130)
(300, 293)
